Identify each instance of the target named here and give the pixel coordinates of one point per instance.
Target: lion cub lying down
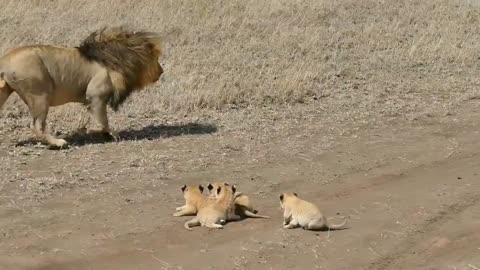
(215, 211)
(243, 205)
(300, 213)
(195, 199)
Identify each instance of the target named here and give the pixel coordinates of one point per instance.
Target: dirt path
(411, 191)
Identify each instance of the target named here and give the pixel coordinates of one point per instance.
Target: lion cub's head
(287, 196)
(220, 190)
(190, 191)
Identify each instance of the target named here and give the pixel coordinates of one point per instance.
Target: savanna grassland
(368, 108)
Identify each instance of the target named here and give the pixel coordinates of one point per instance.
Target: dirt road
(409, 188)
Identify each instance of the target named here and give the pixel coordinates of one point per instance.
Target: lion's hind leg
(39, 112)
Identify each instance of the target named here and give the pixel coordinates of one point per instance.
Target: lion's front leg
(98, 91)
(98, 110)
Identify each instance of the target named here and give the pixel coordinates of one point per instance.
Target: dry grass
(360, 57)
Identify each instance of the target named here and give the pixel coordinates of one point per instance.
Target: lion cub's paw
(177, 214)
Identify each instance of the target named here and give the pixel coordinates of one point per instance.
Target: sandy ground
(408, 188)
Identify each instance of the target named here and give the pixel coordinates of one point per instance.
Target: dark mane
(124, 51)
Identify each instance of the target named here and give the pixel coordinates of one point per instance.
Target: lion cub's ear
(234, 188)
(184, 187)
(218, 190)
(281, 197)
(201, 188)
(295, 194)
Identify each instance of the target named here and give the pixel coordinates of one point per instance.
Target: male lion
(106, 68)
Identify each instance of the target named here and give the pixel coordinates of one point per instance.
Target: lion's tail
(5, 90)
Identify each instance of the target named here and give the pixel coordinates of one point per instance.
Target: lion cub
(194, 200)
(242, 205)
(216, 210)
(300, 213)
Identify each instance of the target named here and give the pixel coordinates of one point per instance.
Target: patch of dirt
(408, 188)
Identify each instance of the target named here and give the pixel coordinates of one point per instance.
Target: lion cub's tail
(191, 223)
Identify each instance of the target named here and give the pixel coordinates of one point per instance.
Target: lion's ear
(281, 197)
(201, 188)
(234, 188)
(184, 187)
(218, 190)
(296, 195)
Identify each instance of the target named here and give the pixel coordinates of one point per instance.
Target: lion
(109, 65)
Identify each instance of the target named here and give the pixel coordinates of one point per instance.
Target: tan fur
(301, 213)
(110, 64)
(194, 200)
(215, 213)
(242, 205)
(213, 187)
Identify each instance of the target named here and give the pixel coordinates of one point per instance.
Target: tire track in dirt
(414, 236)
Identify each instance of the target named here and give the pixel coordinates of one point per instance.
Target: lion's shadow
(150, 132)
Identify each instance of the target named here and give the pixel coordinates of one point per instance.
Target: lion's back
(49, 68)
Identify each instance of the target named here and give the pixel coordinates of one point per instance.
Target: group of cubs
(223, 203)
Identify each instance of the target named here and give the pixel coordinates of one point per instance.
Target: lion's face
(151, 74)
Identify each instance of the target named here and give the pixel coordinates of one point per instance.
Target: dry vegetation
(368, 57)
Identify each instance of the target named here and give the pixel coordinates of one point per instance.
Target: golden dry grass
(362, 56)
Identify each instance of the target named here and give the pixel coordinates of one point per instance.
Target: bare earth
(409, 189)
(368, 108)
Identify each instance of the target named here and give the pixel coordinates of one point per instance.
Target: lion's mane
(123, 52)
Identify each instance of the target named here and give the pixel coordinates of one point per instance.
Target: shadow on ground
(150, 132)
